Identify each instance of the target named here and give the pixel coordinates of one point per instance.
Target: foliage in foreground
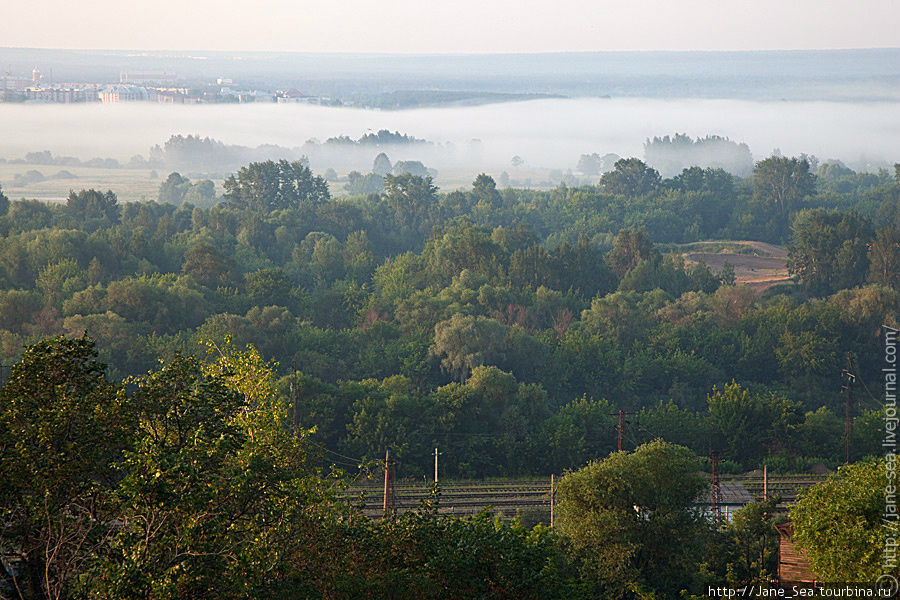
(193, 482)
(843, 523)
(190, 482)
(631, 520)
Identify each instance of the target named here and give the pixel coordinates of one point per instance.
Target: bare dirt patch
(756, 264)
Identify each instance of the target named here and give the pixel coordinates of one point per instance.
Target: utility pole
(620, 429)
(388, 484)
(436, 454)
(552, 498)
(295, 411)
(716, 484)
(847, 381)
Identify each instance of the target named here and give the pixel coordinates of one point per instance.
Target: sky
(456, 26)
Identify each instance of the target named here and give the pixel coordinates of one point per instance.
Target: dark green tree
(746, 425)
(630, 177)
(4, 203)
(206, 265)
(631, 247)
(630, 520)
(267, 186)
(839, 524)
(173, 189)
(884, 258)
(62, 428)
(745, 550)
(413, 199)
(484, 189)
(25, 215)
(784, 182)
(828, 250)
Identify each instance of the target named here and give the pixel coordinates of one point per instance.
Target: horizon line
(456, 53)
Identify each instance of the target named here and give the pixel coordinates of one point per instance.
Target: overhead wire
(877, 401)
(347, 463)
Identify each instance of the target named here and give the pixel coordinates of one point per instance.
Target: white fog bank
(545, 133)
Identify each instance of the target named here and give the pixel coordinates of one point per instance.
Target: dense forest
(504, 326)
(189, 388)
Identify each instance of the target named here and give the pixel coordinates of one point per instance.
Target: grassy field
(133, 185)
(130, 185)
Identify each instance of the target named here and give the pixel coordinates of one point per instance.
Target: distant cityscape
(141, 86)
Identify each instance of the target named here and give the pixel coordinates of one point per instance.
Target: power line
(877, 401)
(847, 381)
(355, 464)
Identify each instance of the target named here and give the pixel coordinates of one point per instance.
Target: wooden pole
(387, 479)
(620, 438)
(716, 484)
(552, 498)
(765, 482)
(847, 387)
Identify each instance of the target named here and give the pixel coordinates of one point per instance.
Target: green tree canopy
(630, 177)
(838, 523)
(62, 426)
(4, 203)
(829, 250)
(783, 181)
(884, 258)
(630, 519)
(630, 247)
(267, 186)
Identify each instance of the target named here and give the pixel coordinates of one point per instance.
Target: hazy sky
(428, 26)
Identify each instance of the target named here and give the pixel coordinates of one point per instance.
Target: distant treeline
(195, 154)
(671, 155)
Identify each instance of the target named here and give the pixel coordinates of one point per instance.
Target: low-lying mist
(549, 134)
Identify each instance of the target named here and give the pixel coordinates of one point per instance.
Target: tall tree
(783, 181)
(4, 203)
(173, 189)
(412, 199)
(215, 490)
(207, 265)
(93, 208)
(382, 164)
(630, 519)
(631, 177)
(839, 524)
(828, 250)
(62, 428)
(484, 190)
(631, 247)
(465, 342)
(267, 186)
(884, 257)
(745, 424)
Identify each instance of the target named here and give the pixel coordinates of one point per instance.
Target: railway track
(505, 499)
(509, 498)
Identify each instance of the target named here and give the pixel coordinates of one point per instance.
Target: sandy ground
(762, 268)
